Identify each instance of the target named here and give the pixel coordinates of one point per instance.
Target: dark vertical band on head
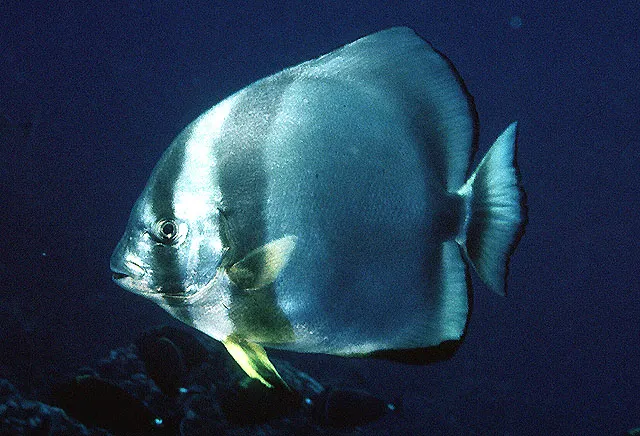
(243, 177)
(161, 197)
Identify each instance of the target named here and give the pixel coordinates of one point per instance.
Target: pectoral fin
(254, 361)
(262, 266)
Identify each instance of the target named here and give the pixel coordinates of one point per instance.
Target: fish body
(330, 208)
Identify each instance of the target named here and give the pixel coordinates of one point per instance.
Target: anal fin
(419, 356)
(443, 329)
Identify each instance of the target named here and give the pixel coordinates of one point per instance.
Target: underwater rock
(192, 350)
(19, 416)
(252, 402)
(348, 408)
(100, 403)
(213, 397)
(202, 416)
(169, 354)
(121, 364)
(165, 365)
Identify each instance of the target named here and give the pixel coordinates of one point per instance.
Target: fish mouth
(126, 269)
(119, 276)
(129, 281)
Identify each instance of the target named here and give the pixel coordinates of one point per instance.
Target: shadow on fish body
(96, 402)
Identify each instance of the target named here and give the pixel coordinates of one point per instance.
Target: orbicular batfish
(330, 208)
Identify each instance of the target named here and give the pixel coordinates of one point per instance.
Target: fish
(330, 208)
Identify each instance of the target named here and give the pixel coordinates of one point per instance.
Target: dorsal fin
(440, 110)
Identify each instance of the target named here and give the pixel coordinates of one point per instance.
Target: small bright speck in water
(515, 22)
(184, 390)
(157, 421)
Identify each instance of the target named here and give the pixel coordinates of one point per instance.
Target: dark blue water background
(106, 87)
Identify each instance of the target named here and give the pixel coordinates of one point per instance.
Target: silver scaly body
(326, 209)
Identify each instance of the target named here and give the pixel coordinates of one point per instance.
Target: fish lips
(128, 276)
(118, 275)
(136, 283)
(132, 284)
(126, 269)
(125, 281)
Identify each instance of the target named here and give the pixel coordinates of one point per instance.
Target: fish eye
(167, 231)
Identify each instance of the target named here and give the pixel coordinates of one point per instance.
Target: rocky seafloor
(171, 382)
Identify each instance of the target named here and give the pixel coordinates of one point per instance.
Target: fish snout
(118, 275)
(123, 264)
(127, 268)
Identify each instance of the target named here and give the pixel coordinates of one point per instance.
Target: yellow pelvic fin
(262, 266)
(254, 361)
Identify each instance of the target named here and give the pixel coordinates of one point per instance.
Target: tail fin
(496, 212)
